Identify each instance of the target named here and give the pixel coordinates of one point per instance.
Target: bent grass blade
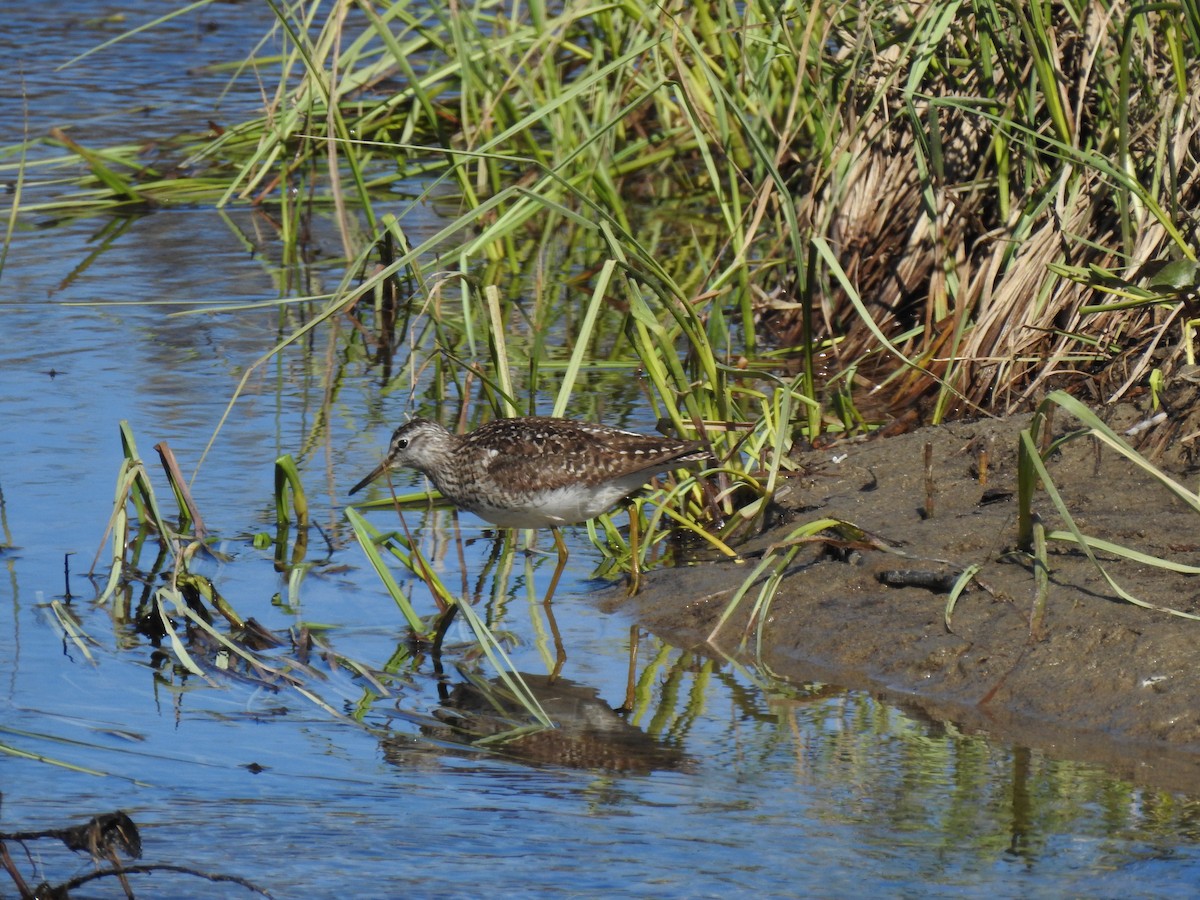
(1032, 469)
(369, 539)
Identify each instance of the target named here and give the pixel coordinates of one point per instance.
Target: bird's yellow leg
(635, 570)
(562, 564)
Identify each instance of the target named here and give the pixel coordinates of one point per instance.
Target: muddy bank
(1100, 679)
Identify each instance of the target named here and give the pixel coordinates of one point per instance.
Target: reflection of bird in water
(590, 734)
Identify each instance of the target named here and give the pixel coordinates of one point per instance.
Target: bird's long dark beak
(375, 473)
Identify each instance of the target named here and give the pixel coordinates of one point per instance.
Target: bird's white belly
(561, 506)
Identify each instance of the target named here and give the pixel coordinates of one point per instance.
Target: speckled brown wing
(547, 453)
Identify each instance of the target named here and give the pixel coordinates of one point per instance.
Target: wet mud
(1097, 678)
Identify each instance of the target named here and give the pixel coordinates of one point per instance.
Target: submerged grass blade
(367, 540)
(503, 665)
(485, 639)
(172, 596)
(288, 481)
(154, 23)
(52, 761)
(119, 186)
(71, 630)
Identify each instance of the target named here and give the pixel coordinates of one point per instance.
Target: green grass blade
(367, 537)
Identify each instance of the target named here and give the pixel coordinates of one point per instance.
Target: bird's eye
(401, 444)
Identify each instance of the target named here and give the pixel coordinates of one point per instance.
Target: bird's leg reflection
(635, 636)
(560, 651)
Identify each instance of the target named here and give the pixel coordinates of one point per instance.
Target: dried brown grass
(947, 203)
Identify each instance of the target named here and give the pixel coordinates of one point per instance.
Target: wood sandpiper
(534, 471)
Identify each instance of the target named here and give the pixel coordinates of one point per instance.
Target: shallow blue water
(822, 793)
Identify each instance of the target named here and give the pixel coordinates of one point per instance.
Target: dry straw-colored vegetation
(985, 152)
